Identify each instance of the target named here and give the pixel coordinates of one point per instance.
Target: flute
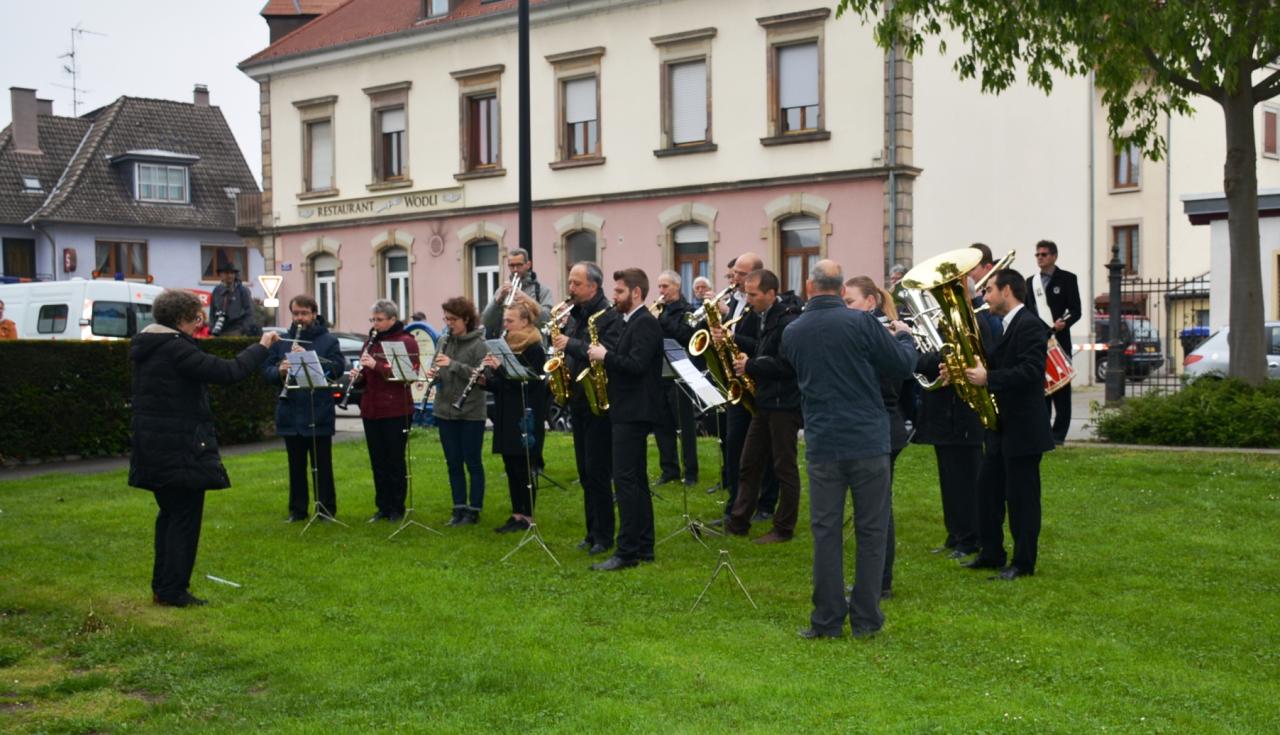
(359, 370)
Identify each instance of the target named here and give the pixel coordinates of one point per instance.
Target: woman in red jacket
(386, 409)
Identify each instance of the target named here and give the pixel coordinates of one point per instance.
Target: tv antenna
(72, 67)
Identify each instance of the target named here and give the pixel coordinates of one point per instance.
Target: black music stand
(516, 372)
(311, 378)
(704, 398)
(403, 372)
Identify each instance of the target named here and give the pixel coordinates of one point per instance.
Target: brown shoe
(772, 537)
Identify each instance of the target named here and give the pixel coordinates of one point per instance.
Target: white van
(78, 309)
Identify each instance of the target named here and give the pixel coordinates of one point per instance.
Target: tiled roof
(298, 7)
(363, 20)
(95, 191)
(59, 138)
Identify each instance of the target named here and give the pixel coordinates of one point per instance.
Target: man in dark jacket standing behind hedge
(175, 452)
(305, 418)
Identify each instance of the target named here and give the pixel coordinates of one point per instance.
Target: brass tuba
(719, 357)
(557, 372)
(595, 382)
(944, 321)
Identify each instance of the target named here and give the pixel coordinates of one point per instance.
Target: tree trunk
(1240, 184)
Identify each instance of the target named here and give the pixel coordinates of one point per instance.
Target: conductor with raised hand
(175, 451)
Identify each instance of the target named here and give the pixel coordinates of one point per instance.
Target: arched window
(395, 287)
(799, 238)
(691, 255)
(324, 270)
(580, 245)
(484, 271)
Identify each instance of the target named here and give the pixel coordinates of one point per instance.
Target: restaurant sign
(383, 206)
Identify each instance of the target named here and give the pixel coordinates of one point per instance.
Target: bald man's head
(743, 265)
(827, 277)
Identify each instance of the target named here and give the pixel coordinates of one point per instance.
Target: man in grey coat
(518, 263)
(840, 355)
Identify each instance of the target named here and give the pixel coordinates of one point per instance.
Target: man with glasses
(519, 263)
(1057, 303)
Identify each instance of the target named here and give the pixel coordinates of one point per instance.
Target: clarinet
(434, 382)
(284, 388)
(373, 333)
(466, 391)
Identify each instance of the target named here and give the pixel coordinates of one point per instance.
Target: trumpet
(657, 306)
(698, 315)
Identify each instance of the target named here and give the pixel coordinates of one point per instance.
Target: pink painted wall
(631, 235)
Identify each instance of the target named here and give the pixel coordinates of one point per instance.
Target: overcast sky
(151, 48)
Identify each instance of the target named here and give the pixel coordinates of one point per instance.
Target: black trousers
(677, 414)
(958, 467)
(1059, 405)
(177, 537)
(770, 443)
(524, 493)
(737, 423)
(1013, 482)
(300, 449)
(386, 441)
(593, 452)
(635, 504)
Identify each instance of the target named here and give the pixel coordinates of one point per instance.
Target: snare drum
(1058, 371)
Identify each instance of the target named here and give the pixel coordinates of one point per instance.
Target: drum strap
(1042, 301)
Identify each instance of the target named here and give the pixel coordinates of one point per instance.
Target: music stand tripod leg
(408, 520)
(531, 534)
(724, 563)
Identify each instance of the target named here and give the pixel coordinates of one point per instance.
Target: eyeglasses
(1042, 255)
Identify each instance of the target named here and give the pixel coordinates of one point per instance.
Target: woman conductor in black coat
(175, 452)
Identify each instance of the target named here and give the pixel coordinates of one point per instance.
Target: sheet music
(401, 364)
(305, 369)
(510, 363)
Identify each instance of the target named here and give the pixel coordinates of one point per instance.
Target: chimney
(201, 95)
(44, 107)
(26, 135)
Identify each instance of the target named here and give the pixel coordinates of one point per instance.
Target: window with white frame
(691, 256)
(800, 240)
(389, 155)
(318, 145)
(581, 117)
(1126, 168)
(482, 132)
(484, 271)
(157, 182)
(324, 270)
(395, 264)
(797, 93)
(687, 85)
(1269, 115)
(1128, 238)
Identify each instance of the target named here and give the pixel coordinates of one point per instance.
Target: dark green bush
(62, 398)
(1206, 413)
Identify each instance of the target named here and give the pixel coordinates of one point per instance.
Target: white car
(1212, 357)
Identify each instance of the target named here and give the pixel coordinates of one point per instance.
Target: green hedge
(1206, 413)
(72, 398)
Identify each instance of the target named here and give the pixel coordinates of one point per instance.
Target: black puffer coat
(776, 388)
(174, 447)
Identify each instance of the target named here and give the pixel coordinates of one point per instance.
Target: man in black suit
(592, 443)
(676, 415)
(1010, 473)
(635, 377)
(1061, 296)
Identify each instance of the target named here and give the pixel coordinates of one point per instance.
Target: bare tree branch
(1177, 79)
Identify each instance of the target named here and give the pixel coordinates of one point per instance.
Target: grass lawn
(1155, 609)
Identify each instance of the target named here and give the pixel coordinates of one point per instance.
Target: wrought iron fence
(1162, 320)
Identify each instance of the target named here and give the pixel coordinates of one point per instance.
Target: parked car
(1212, 358)
(1142, 351)
(79, 309)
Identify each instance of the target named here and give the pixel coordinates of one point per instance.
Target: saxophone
(594, 380)
(719, 356)
(557, 371)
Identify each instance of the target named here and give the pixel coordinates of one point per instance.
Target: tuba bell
(944, 321)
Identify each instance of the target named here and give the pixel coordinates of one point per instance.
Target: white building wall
(630, 106)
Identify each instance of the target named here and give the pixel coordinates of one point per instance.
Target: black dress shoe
(690, 481)
(960, 553)
(456, 518)
(667, 478)
(813, 634)
(379, 516)
(395, 517)
(614, 563)
(186, 599)
(469, 518)
(295, 517)
(597, 549)
(981, 563)
(1010, 573)
(584, 544)
(510, 526)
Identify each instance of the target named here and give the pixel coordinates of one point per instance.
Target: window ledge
(577, 163)
(686, 150)
(317, 194)
(480, 173)
(789, 138)
(385, 185)
(1124, 189)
